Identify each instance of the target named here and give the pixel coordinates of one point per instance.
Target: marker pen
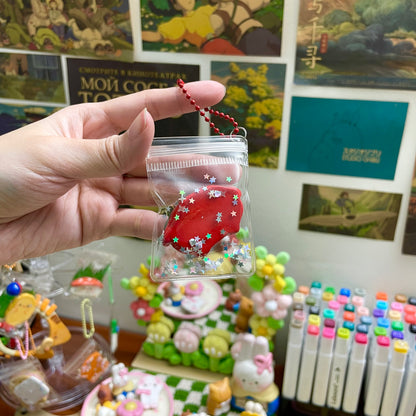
(408, 398)
(383, 323)
(314, 320)
(383, 305)
(411, 300)
(307, 364)
(349, 307)
(362, 329)
(409, 309)
(293, 353)
(323, 366)
(397, 306)
(348, 325)
(345, 292)
(382, 296)
(357, 301)
(342, 299)
(355, 373)
(362, 311)
(328, 314)
(335, 306)
(394, 379)
(303, 289)
(394, 315)
(314, 310)
(379, 313)
(326, 297)
(330, 323)
(338, 369)
(349, 316)
(400, 297)
(376, 376)
(310, 300)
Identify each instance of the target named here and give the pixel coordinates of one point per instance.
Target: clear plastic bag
(200, 187)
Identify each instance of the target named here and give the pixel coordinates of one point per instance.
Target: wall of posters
(312, 82)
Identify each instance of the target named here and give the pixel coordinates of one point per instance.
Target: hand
(63, 178)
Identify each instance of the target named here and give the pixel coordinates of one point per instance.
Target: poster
(93, 80)
(345, 137)
(75, 27)
(13, 117)
(350, 212)
(409, 240)
(31, 77)
(254, 98)
(356, 43)
(222, 27)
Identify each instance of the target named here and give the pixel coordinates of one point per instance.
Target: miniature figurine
(149, 389)
(253, 374)
(244, 313)
(233, 300)
(123, 386)
(219, 397)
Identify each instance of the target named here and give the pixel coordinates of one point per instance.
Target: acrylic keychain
(200, 187)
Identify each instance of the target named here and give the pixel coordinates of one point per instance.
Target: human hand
(63, 178)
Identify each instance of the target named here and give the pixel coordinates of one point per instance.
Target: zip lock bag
(200, 187)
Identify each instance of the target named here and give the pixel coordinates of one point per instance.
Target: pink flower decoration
(193, 288)
(271, 303)
(142, 310)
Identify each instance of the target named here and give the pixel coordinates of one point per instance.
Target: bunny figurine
(253, 374)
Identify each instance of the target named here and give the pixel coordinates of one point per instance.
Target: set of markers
(346, 346)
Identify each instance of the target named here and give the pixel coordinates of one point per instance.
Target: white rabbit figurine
(253, 374)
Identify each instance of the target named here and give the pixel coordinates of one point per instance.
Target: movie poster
(222, 27)
(409, 240)
(93, 80)
(75, 27)
(356, 43)
(254, 98)
(350, 212)
(345, 137)
(13, 117)
(31, 77)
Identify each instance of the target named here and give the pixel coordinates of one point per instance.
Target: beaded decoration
(203, 112)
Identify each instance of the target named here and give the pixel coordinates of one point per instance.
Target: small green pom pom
(283, 257)
(124, 283)
(256, 283)
(290, 285)
(261, 252)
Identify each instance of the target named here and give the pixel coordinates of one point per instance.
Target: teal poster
(345, 137)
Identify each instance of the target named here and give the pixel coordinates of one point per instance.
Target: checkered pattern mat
(188, 394)
(219, 317)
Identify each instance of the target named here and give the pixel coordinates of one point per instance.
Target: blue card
(345, 137)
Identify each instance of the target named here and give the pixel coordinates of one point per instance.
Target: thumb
(110, 156)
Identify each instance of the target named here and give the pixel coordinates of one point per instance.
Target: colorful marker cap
(342, 299)
(349, 307)
(357, 301)
(366, 320)
(363, 311)
(327, 296)
(378, 313)
(348, 325)
(400, 297)
(363, 329)
(383, 322)
(334, 305)
(304, 290)
(383, 341)
(397, 326)
(328, 313)
(397, 335)
(343, 333)
(328, 332)
(361, 338)
(330, 289)
(315, 292)
(310, 300)
(378, 330)
(330, 323)
(314, 320)
(314, 310)
(313, 330)
(382, 296)
(412, 328)
(359, 291)
(410, 318)
(411, 300)
(382, 304)
(395, 315)
(349, 316)
(345, 292)
(397, 306)
(316, 284)
(298, 297)
(401, 346)
(409, 309)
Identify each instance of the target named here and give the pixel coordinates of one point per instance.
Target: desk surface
(129, 344)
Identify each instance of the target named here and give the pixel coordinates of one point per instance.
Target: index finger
(162, 102)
